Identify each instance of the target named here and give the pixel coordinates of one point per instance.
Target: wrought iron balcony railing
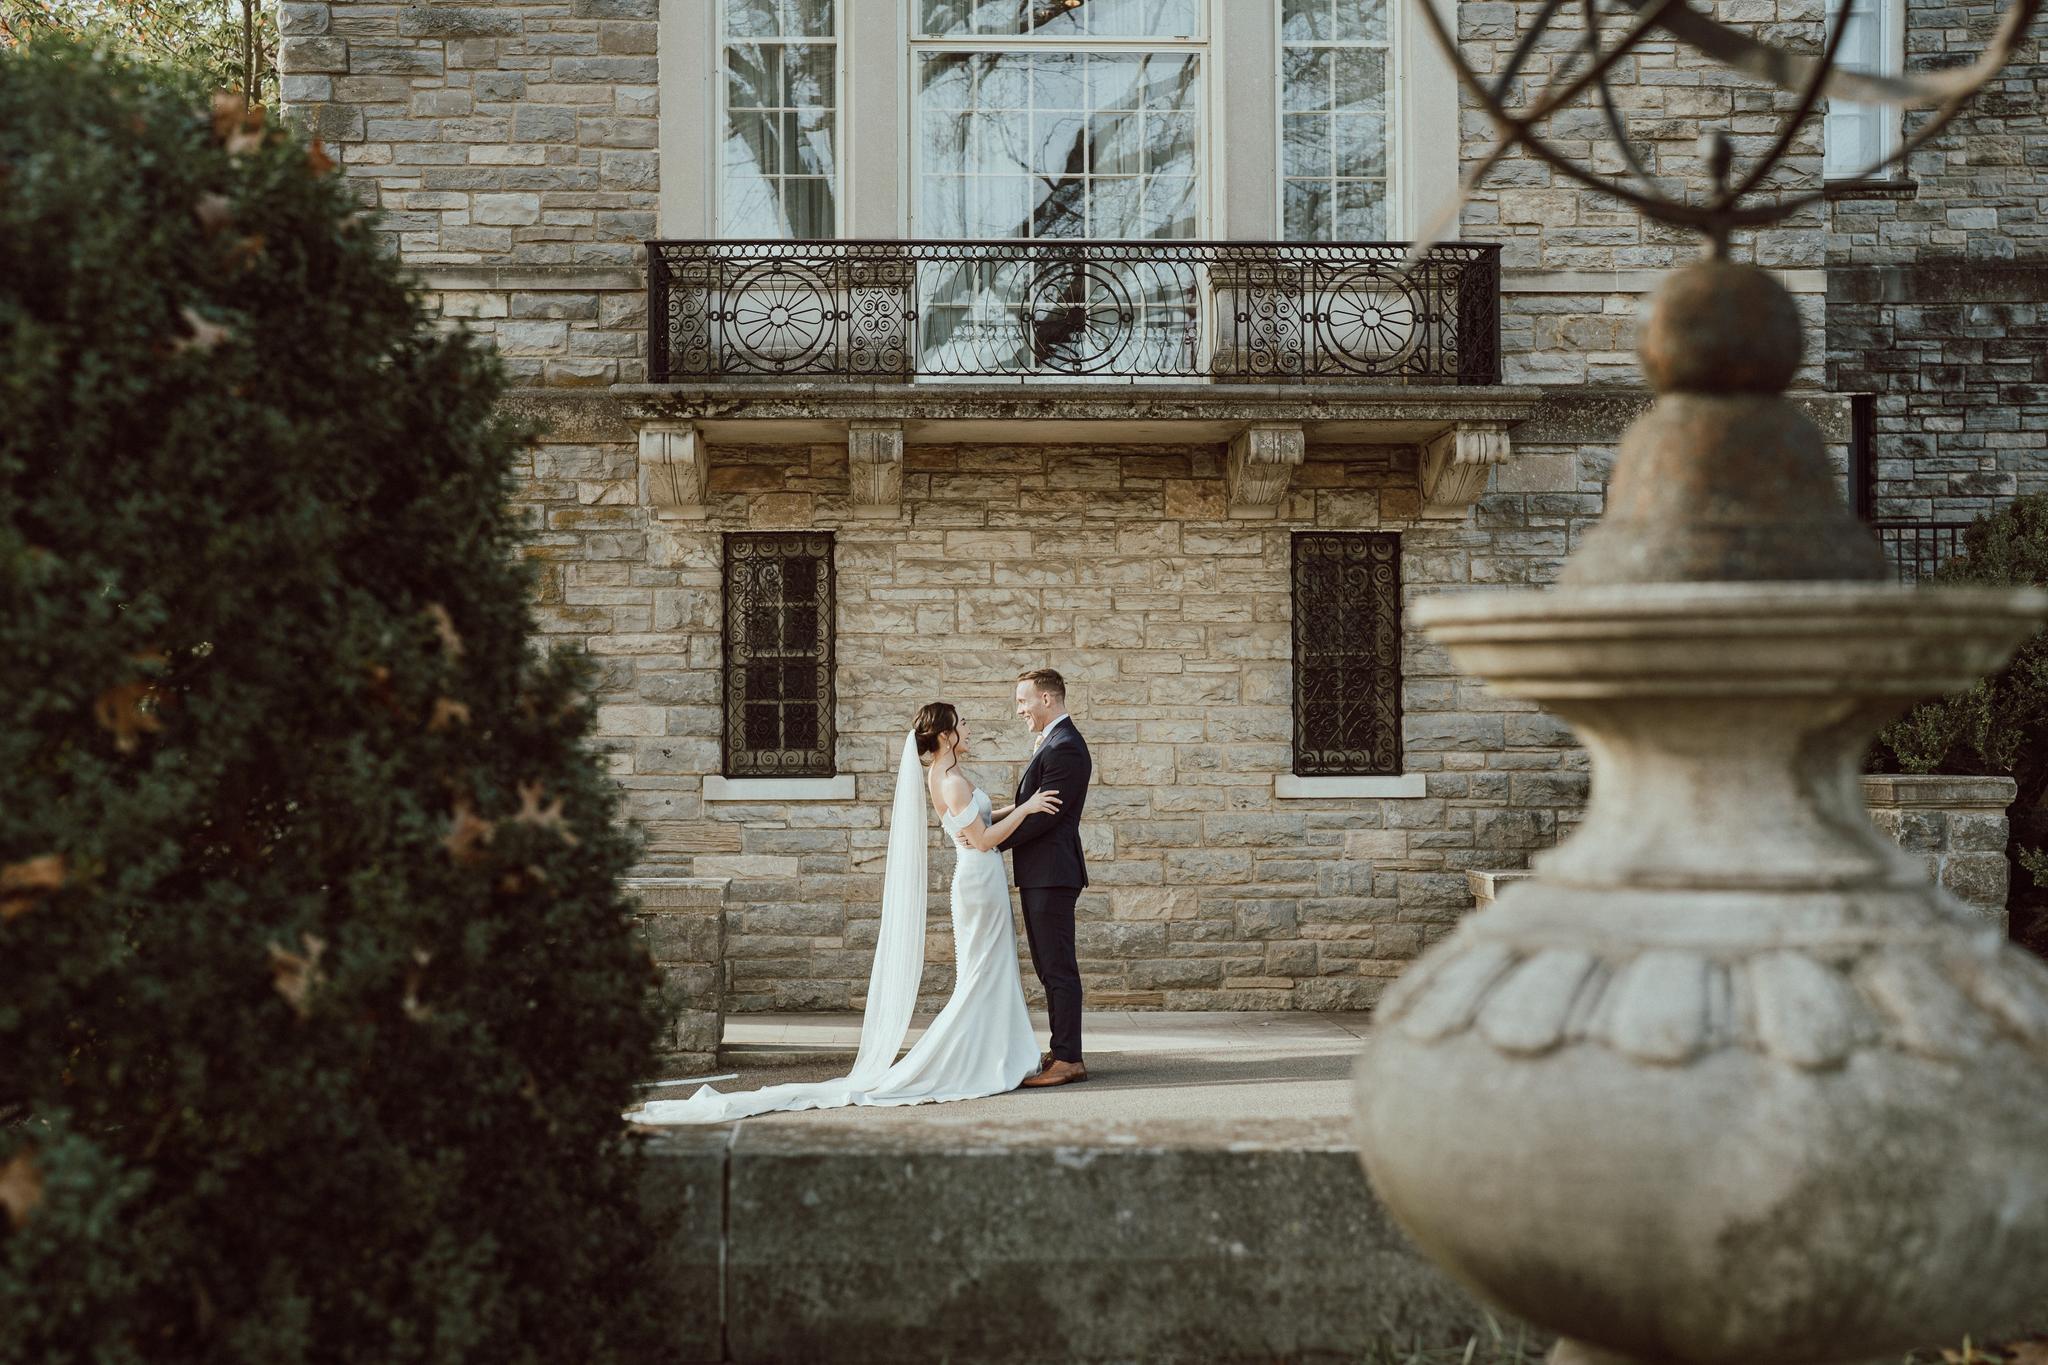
(904, 311)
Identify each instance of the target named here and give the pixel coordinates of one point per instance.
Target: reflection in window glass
(1058, 144)
(1333, 120)
(1058, 18)
(1858, 136)
(779, 163)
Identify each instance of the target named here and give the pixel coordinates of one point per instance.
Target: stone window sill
(1870, 189)
(1287, 786)
(777, 789)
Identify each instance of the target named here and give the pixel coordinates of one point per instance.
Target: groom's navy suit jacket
(1046, 849)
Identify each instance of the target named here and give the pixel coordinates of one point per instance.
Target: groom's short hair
(1045, 680)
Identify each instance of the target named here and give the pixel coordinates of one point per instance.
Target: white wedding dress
(981, 1043)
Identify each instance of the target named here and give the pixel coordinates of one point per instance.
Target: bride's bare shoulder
(954, 790)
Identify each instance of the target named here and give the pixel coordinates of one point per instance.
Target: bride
(981, 1043)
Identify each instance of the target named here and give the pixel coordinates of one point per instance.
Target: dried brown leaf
(215, 213)
(444, 626)
(548, 816)
(318, 163)
(447, 714)
(21, 1187)
(205, 336)
(129, 710)
(24, 884)
(294, 975)
(468, 834)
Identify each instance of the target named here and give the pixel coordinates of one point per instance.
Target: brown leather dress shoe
(1045, 1059)
(1057, 1072)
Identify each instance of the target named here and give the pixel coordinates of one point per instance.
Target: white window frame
(721, 114)
(1398, 214)
(1202, 46)
(1240, 200)
(1891, 48)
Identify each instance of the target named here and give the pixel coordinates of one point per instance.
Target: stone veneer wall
(1956, 826)
(1172, 624)
(511, 148)
(1937, 286)
(1579, 262)
(683, 922)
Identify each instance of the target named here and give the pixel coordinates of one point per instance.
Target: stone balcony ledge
(772, 411)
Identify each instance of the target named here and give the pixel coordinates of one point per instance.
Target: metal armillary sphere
(1812, 78)
(1727, 1081)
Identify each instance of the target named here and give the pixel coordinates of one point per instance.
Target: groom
(1046, 853)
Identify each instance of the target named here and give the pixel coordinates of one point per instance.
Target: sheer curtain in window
(779, 158)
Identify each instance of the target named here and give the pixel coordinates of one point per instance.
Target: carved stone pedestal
(1726, 1080)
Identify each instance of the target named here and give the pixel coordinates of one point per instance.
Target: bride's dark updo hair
(933, 719)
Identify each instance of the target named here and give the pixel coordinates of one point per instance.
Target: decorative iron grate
(778, 654)
(905, 310)
(1917, 548)
(1347, 654)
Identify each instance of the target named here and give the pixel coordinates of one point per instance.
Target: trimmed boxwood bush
(319, 1001)
(1999, 726)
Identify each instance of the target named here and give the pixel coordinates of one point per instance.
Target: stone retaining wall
(683, 921)
(1957, 826)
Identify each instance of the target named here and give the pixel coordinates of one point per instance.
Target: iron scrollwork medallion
(778, 654)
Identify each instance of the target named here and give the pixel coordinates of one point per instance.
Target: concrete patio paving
(1287, 1075)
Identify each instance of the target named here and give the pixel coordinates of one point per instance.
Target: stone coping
(1939, 789)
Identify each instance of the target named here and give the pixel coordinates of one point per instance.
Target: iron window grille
(778, 654)
(1917, 549)
(1347, 654)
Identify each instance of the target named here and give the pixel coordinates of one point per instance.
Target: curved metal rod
(1811, 78)
(1808, 97)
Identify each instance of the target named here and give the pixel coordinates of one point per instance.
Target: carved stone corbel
(675, 470)
(1455, 466)
(874, 467)
(1261, 466)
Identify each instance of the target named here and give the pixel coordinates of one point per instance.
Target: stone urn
(1727, 1079)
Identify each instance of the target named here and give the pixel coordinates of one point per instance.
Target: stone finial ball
(1720, 327)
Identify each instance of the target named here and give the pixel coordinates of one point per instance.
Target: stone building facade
(1135, 536)
(1936, 282)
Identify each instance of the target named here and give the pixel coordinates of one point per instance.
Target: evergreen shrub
(1998, 726)
(319, 999)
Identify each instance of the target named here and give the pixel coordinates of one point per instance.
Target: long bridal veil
(892, 981)
(899, 943)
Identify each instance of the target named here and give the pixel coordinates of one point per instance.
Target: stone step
(1179, 1207)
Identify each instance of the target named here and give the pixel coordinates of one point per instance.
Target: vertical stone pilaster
(682, 920)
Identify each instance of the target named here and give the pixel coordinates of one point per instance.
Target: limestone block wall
(1171, 621)
(683, 922)
(512, 150)
(1936, 287)
(1957, 826)
(1579, 263)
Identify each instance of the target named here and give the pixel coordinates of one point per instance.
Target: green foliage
(231, 43)
(319, 1002)
(1999, 726)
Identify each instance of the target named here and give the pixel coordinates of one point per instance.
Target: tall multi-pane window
(779, 160)
(1858, 136)
(1347, 654)
(1334, 134)
(1058, 118)
(778, 654)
